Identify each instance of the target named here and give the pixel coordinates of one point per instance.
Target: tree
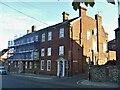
(76, 3)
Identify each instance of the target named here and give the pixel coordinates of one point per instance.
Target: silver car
(3, 71)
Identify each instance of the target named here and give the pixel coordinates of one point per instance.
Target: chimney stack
(65, 16)
(33, 28)
(28, 31)
(98, 19)
(82, 11)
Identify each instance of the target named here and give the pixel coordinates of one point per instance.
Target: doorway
(61, 67)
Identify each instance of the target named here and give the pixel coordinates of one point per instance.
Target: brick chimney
(82, 11)
(98, 19)
(33, 28)
(28, 31)
(65, 16)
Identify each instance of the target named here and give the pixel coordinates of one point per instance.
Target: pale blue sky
(14, 23)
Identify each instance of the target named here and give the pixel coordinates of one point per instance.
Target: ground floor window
(42, 65)
(35, 65)
(26, 64)
(48, 65)
(30, 65)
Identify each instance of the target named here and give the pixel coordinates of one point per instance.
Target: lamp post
(92, 57)
(89, 68)
(71, 52)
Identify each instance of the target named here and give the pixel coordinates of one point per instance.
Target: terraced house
(26, 52)
(63, 49)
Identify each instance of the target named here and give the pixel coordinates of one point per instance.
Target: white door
(61, 68)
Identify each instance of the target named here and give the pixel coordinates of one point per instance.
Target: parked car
(3, 71)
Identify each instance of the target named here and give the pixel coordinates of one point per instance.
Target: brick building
(112, 50)
(68, 47)
(25, 56)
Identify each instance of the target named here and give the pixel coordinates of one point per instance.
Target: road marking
(34, 77)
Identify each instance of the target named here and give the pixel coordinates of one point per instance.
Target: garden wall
(104, 73)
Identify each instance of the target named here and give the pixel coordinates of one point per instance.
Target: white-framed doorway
(61, 67)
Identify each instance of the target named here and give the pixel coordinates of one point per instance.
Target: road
(10, 81)
(39, 81)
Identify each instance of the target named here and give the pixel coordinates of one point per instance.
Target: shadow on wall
(79, 60)
(111, 62)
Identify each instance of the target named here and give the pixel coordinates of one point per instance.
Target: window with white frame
(61, 33)
(61, 50)
(26, 64)
(43, 37)
(48, 65)
(30, 65)
(104, 47)
(42, 52)
(88, 35)
(49, 36)
(42, 65)
(32, 39)
(49, 52)
(36, 38)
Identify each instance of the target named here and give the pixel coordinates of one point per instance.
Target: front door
(61, 68)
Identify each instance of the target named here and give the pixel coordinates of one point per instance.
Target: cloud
(12, 24)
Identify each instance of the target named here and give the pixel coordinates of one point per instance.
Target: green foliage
(75, 5)
(91, 3)
(111, 1)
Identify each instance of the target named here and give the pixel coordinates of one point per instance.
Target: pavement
(76, 80)
(99, 84)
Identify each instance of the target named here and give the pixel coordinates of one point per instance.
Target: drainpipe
(71, 52)
(80, 25)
